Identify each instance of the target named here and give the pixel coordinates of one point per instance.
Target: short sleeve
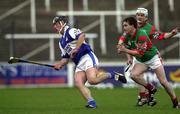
(123, 37)
(157, 34)
(75, 33)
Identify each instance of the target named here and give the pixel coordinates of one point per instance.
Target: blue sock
(110, 75)
(90, 99)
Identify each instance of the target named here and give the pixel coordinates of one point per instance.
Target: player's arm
(122, 39)
(64, 60)
(79, 36)
(80, 41)
(141, 47)
(128, 51)
(171, 34)
(120, 42)
(61, 63)
(166, 35)
(121, 48)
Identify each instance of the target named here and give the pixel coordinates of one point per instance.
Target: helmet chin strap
(62, 27)
(142, 21)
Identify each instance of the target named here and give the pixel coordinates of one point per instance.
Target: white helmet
(143, 11)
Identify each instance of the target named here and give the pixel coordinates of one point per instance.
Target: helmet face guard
(57, 19)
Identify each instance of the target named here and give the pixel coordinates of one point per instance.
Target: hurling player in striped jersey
(155, 36)
(137, 43)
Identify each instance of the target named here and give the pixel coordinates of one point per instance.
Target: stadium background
(32, 21)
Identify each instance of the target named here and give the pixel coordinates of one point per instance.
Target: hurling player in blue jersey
(73, 46)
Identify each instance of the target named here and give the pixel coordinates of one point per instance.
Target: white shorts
(87, 61)
(153, 63)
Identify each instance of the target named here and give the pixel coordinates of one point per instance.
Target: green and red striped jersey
(152, 32)
(140, 42)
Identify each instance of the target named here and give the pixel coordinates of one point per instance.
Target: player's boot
(176, 106)
(151, 100)
(91, 104)
(141, 101)
(175, 103)
(120, 77)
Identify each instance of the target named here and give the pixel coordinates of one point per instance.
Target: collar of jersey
(132, 37)
(65, 28)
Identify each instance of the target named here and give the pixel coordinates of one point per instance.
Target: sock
(175, 101)
(109, 75)
(149, 86)
(143, 94)
(90, 99)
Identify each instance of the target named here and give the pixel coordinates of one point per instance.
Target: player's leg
(95, 76)
(160, 73)
(143, 95)
(136, 73)
(80, 79)
(86, 71)
(156, 64)
(142, 92)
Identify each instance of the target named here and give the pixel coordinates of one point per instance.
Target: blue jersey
(68, 42)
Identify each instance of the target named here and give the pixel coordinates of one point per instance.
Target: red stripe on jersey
(145, 46)
(140, 52)
(149, 45)
(143, 38)
(161, 37)
(134, 36)
(122, 38)
(152, 32)
(148, 42)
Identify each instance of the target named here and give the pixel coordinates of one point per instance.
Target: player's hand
(74, 52)
(118, 50)
(121, 48)
(57, 66)
(130, 60)
(175, 31)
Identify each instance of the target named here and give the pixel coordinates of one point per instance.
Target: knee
(134, 75)
(92, 81)
(78, 84)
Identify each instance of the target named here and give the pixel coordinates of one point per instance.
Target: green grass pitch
(69, 101)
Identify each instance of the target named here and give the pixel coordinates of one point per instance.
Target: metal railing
(50, 44)
(101, 21)
(18, 8)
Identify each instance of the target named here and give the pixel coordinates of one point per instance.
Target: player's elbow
(82, 36)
